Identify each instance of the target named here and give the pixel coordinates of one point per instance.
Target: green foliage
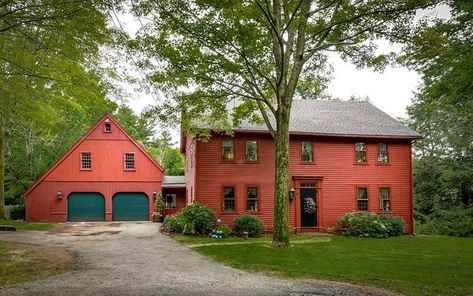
(159, 203)
(199, 216)
(368, 224)
(168, 156)
(18, 212)
(455, 222)
(248, 223)
(222, 231)
(174, 223)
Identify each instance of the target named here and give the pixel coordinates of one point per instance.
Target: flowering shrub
(192, 219)
(310, 207)
(221, 231)
(368, 224)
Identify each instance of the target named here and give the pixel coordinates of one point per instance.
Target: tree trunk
(2, 176)
(281, 201)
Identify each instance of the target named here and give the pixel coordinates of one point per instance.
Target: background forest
(54, 86)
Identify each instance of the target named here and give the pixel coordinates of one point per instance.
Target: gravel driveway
(133, 258)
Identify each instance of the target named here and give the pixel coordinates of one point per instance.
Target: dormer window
(107, 126)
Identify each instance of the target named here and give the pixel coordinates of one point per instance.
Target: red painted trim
(258, 160)
(366, 154)
(80, 161)
(222, 194)
(134, 162)
(387, 151)
(367, 195)
(259, 199)
(221, 150)
(312, 152)
(390, 199)
(82, 139)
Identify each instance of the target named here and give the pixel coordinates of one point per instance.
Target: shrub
(222, 231)
(250, 224)
(200, 216)
(174, 223)
(18, 212)
(368, 224)
(159, 203)
(458, 222)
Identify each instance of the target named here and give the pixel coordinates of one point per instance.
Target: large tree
(257, 53)
(48, 53)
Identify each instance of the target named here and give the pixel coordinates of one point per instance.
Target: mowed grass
(413, 265)
(28, 226)
(25, 262)
(199, 240)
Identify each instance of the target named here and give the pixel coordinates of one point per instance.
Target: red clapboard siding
(336, 176)
(107, 176)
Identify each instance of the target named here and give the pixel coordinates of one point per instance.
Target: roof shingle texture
(339, 118)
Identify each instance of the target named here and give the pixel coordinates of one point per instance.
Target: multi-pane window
(362, 198)
(383, 152)
(307, 151)
(360, 152)
(86, 161)
(252, 199)
(170, 201)
(228, 199)
(228, 149)
(129, 161)
(108, 127)
(251, 150)
(384, 199)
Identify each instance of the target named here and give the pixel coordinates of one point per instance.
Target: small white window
(85, 161)
(129, 161)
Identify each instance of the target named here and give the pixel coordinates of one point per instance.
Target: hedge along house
(344, 156)
(105, 176)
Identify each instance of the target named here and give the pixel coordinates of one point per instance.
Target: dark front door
(308, 206)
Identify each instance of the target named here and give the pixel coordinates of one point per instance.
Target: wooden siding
(107, 176)
(333, 171)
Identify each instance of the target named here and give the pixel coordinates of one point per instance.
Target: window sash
(228, 149)
(171, 201)
(108, 127)
(251, 150)
(307, 151)
(129, 161)
(382, 152)
(385, 199)
(362, 198)
(360, 152)
(86, 161)
(228, 199)
(252, 199)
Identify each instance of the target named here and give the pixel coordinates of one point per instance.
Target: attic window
(85, 161)
(130, 161)
(108, 127)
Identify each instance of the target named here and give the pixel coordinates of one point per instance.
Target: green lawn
(28, 226)
(414, 265)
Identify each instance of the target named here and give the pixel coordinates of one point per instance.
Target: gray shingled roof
(339, 118)
(174, 181)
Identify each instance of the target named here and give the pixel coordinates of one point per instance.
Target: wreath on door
(310, 207)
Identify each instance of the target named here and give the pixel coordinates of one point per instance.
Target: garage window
(130, 161)
(86, 161)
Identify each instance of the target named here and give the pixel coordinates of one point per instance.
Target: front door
(308, 205)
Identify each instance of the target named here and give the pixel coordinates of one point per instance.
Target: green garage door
(85, 207)
(130, 207)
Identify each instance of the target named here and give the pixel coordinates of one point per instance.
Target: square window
(307, 151)
(129, 161)
(252, 199)
(362, 199)
(86, 161)
(251, 150)
(228, 199)
(228, 149)
(360, 152)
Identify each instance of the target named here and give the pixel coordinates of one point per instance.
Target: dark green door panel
(85, 207)
(130, 207)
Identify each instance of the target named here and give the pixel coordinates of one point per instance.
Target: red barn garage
(105, 176)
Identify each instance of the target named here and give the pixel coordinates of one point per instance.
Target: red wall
(180, 199)
(107, 175)
(333, 171)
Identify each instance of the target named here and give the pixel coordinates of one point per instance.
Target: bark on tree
(2, 176)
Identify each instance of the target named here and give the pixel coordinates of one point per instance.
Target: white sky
(391, 90)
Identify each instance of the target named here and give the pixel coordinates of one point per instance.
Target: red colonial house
(105, 176)
(344, 156)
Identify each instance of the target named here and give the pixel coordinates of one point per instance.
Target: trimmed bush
(174, 223)
(200, 216)
(368, 224)
(18, 212)
(222, 231)
(250, 224)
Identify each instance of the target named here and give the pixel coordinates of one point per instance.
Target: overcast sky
(391, 90)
